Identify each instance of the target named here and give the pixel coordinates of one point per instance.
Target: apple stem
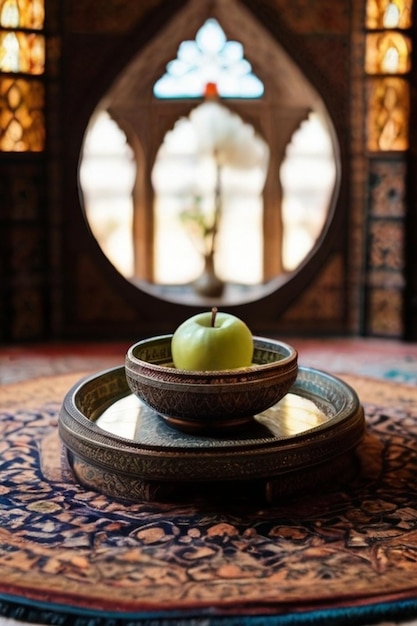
(213, 316)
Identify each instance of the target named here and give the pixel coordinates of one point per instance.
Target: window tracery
(210, 58)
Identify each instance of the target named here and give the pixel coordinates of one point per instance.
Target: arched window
(178, 184)
(305, 203)
(107, 176)
(208, 179)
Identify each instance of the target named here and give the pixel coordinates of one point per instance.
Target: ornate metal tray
(119, 446)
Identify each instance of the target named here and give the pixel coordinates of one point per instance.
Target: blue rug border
(52, 614)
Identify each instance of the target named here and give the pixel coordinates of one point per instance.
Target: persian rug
(72, 556)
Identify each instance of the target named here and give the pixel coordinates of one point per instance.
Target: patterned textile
(68, 554)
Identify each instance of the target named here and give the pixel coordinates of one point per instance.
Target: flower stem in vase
(208, 283)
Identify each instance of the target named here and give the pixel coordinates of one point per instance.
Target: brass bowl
(196, 401)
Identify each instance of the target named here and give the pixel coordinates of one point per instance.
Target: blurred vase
(208, 283)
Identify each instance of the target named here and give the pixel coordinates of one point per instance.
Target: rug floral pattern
(61, 543)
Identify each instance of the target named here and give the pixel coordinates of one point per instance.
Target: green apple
(212, 341)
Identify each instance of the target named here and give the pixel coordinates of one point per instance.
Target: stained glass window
(21, 115)
(22, 14)
(210, 58)
(388, 115)
(387, 63)
(387, 53)
(388, 14)
(22, 52)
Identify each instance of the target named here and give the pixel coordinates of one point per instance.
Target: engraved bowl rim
(284, 364)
